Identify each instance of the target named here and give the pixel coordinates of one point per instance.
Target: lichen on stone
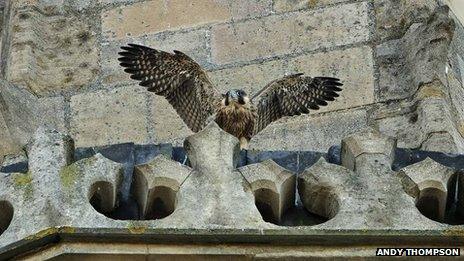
(69, 175)
(50, 231)
(135, 228)
(24, 181)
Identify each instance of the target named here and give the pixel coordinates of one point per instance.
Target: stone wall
(401, 62)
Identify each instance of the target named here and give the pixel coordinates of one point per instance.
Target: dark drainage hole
(6, 215)
(143, 203)
(273, 211)
(437, 205)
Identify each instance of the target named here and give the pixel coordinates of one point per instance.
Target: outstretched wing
(293, 95)
(176, 77)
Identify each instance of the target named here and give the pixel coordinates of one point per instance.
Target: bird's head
(235, 96)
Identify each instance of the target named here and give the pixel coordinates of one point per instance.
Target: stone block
(156, 16)
(419, 57)
(168, 126)
(320, 185)
(250, 78)
(109, 117)
(8, 144)
(366, 142)
(395, 81)
(426, 46)
(213, 154)
(354, 67)
(400, 121)
(193, 43)
(310, 132)
(26, 112)
(394, 17)
(151, 182)
(456, 52)
(456, 95)
(51, 113)
(284, 34)
(438, 123)
(428, 182)
(52, 51)
(293, 5)
(272, 185)
(427, 122)
(243, 9)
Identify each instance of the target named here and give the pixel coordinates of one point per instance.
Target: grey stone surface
(292, 5)
(310, 132)
(109, 117)
(416, 68)
(369, 142)
(271, 185)
(8, 143)
(24, 112)
(396, 81)
(60, 196)
(150, 177)
(369, 195)
(419, 57)
(226, 200)
(48, 41)
(427, 122)
(434, 188)
(290, 33)
(14, 163)
(393, 18)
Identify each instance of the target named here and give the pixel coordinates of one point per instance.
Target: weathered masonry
(91, 165)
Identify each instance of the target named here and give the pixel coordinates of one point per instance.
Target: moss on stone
(50, 231)
(431, 91)
(70, 174)
(24, 181)
(461, 128)
(456, 232)
(135, 228)
(312, 3)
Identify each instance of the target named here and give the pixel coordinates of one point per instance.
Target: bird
(188, 89)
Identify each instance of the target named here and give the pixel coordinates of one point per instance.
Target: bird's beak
(233, 96)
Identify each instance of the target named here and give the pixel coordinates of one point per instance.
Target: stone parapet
(61, 196)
